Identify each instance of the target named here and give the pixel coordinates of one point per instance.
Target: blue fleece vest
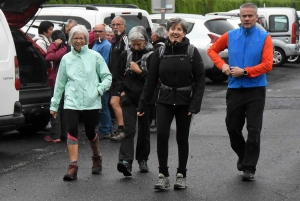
(245, 48)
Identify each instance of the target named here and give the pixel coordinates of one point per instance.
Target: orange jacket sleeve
(220, 45)
(266, 60)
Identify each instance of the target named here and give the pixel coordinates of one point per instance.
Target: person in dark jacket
(66, 29)
(182, 86)
(132, 74)
(119, 44)
(158, 37)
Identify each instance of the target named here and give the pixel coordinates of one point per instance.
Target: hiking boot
(162, 183)
(143, 166)
(125, 168)
(248, 175)
(118, 137)
(72, 173)
(180, 182)
(97, 164)
(104, 136)
(239, 164)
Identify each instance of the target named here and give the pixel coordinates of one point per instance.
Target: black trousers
(245, 104)
(89, 118)
(59, 128)
(165, 114)
(143, 141)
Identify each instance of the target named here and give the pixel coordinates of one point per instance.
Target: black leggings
(89, 118)
(165, 115)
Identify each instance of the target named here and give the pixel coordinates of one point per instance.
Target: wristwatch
(245, 72)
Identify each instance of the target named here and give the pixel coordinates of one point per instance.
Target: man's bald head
(99, 31)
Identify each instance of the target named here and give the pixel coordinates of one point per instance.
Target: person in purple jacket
(56, 51)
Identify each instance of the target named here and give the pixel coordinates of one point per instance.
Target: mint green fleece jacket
(84, 77)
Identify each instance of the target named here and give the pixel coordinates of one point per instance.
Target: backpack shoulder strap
(129, 59)
(143, 60)
(162, 51)
(190, 51)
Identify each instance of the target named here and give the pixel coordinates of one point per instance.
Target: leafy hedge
(191, 6)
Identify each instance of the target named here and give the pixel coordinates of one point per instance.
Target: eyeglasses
(117, 25)
(81, 39)
(98, 31)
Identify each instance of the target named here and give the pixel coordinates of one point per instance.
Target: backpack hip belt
(188, 88)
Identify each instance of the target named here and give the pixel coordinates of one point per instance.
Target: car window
(259, 26)
(132, 21)
(218, 26)
(263, 22)
(79, 20)
(278, 23)
(4, 42)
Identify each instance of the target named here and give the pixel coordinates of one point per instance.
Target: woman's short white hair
(107, 28)
(160, 31)
(139, 33)
(79, 29)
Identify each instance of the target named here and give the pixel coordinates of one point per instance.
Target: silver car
(203, 32)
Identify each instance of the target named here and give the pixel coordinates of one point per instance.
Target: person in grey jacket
(79, 76)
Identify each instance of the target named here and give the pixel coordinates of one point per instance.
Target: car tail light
(17, 74)
(294, 33)
(213, 38)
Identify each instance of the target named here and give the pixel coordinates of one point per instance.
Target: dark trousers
(58, 124)
(245, 105)
(89, 118)
(143, 141)
(165, 115)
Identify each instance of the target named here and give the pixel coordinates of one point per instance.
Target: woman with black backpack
(178, 66)
(132, 73)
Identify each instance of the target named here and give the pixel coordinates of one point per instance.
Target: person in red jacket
(56, 51)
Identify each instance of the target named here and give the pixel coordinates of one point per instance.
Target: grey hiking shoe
(163, 182)
(118, 137)
(248, 175)
(180, 182)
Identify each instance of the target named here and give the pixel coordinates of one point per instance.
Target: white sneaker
(163, 182)
(180, 182)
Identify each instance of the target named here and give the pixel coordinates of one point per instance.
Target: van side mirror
(112, 16)
(140, 15)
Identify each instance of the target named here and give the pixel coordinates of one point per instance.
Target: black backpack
(190, 52)
(143, 60)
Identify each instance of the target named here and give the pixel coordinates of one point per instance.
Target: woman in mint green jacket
(84, 76)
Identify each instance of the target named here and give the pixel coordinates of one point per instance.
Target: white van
(283, 25)
(90, 15)
(11, 116)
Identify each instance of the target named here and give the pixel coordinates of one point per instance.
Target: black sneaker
(143, 166)
(125, 168)
(239, 164)
(248, 175)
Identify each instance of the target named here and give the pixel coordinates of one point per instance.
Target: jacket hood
(19, 12)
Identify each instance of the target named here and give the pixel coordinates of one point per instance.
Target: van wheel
(35, 123)
(279, 57)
